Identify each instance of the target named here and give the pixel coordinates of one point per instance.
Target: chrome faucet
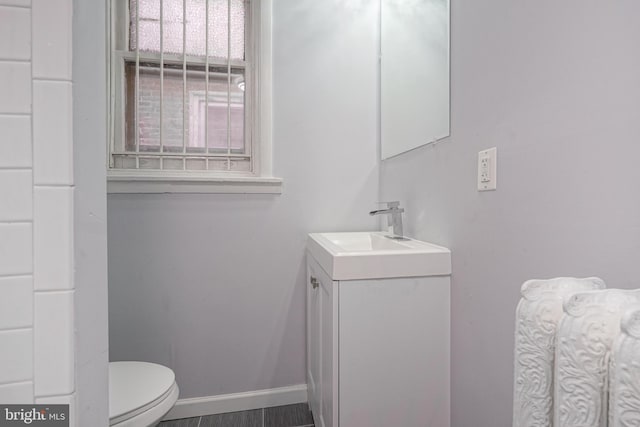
(395, 218)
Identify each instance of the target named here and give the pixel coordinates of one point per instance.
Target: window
(190, 98)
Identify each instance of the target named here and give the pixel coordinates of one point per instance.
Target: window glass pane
(173, 24)
(199, 111)
(173, 20)
(237, 29)
(196, 22)
(149, 104)
(237, 111)
(172, 111)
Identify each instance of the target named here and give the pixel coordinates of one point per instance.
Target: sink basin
(372, 255)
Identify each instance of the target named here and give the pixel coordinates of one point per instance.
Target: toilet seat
(140, 393)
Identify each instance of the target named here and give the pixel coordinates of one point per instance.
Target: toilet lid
(133, 385)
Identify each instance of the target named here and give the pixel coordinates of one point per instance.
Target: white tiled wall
(16, 304)
(15, 192)
(16, 248)
(52, 47)
(16, 357)
(15, 42)
(36, 203)
(15, 151)
(15, 86)
(53, 228)
(53, 348)
(52, 132)
(18, 393)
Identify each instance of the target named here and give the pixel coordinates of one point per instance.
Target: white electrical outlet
(487, 160)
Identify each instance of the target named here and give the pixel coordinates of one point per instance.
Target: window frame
(260, 179)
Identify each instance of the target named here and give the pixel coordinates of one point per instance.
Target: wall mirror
(414, 74)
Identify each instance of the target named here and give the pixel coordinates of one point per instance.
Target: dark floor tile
(184, 422)
(234, 419)
(288, 416)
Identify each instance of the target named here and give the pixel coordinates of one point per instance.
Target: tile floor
(297, 415)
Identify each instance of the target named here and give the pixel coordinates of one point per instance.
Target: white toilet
(140, 393)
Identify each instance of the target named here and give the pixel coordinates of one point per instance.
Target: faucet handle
(390, 205)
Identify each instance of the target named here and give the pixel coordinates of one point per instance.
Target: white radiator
(586, 332)
(624, 373)
(573, 366)
(537, 316)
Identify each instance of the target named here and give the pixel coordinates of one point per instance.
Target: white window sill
(176, 182)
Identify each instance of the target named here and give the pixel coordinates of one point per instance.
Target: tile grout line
(10, 114)
(38, 186)
(15, 60)
(13, 383)
(16, 222)
(53, 291)
(16, 276)
(52, 79)
(17, 329)
(16, 6)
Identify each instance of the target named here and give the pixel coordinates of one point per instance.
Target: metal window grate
(183, 87)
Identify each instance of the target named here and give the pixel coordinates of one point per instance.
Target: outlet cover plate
(487, 167)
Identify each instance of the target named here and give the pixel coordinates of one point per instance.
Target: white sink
(372, 255)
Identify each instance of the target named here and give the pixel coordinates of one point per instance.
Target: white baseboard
(196, 407)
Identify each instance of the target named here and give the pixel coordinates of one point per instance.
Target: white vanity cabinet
(377, 348)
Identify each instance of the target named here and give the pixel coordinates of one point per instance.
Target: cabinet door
(329, 360)
(314, 337)
(322, 345)
(394, 352)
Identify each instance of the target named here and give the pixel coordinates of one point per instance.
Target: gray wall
(214, 285)
(90, 211)
(556, 87)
